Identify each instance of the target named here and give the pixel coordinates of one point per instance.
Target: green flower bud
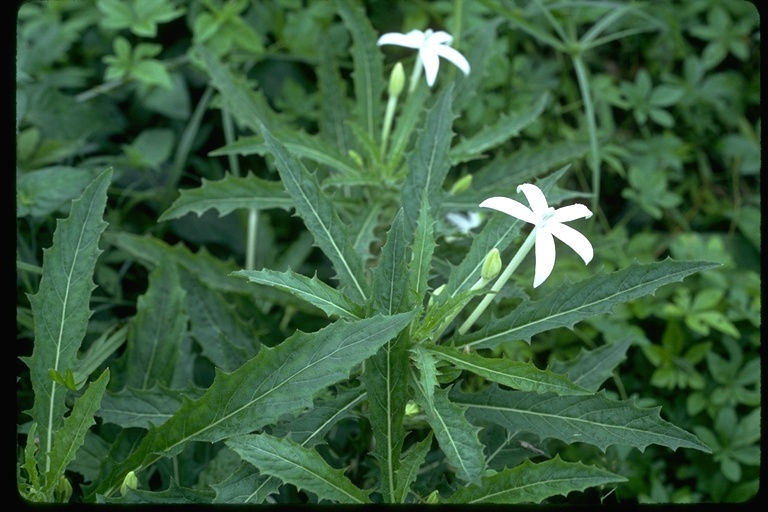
(463, 184)
(433, 498)
(491, 265)
(396, 80)
(131, 481)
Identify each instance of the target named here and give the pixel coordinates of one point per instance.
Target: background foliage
(655, 106)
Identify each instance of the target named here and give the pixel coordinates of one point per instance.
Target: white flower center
(545, 217)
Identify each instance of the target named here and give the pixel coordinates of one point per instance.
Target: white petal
(431, 63)
(573, 239)
(439, 37)
(413, 39)
(545, 256)
(535, 198)
(510, 207)
(453, 56)
(571, 212)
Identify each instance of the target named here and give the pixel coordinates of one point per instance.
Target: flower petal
(439, 37)
(431, 64)
(571, 212)
(413, 39)
(510, 207)
(453, 56)
(572, 239)
(535, 198)
(545, 255)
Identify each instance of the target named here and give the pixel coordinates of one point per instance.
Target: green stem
(589, 112)
(389, 115)
(415, 75)
(253, 214)
(500, 282)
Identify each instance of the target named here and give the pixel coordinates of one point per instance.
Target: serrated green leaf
(30, 464)
(596, 419)
(275, 382)
(364, 228)
(426, 364)
(533, 483)
(300, 466)
(229, 194)
(226, 339)
(298, 143)
(249, 107)
(309, 289)
(333, 108)
(386, 382)
(456, 436)
(505, 128)
(61, 305)
(69, 438)
(498, 233)
(422, 251)
(320, 217)
(368, 68)
(156, 331)
(574, 302)
(428, 164)
(591, 368)
(409, 468)
(441, 314)
(514, 374)
(139, 408)
(245, 486)
(390, 278)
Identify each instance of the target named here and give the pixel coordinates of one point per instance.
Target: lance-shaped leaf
(533, 483)
(320, 217)
(61, 305)
(69, 438)
(422, 251)
(514, 374)
(309, 289)
(505, 128)
(249, 107)
(277, 381)
(368, 68)
(139, 408)
(409, 467)
(247, 485)
(498, 233)
(333, 108)
(596, 419)
(386, 381)
(390, 277)
(226, 339)
(572, 303)
(155, 334)
(297, 465)
(591, 368)
(426, 364)
(298, 143)
(428, 164)
(456, 436)
(229, 194)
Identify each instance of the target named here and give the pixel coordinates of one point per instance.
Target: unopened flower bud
(131, 481)
(433, 498)
(396, 80)
(461, 185)
(491, 265)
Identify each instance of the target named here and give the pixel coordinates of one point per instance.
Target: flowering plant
(351, 320)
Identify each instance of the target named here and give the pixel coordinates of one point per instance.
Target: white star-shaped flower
(431, 46)
(548, 222)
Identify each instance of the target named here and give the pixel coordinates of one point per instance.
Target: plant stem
(389, 115)
(500, 282)
(589, 112)
(415, 75)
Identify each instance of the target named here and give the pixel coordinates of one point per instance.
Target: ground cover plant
(355, 251)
